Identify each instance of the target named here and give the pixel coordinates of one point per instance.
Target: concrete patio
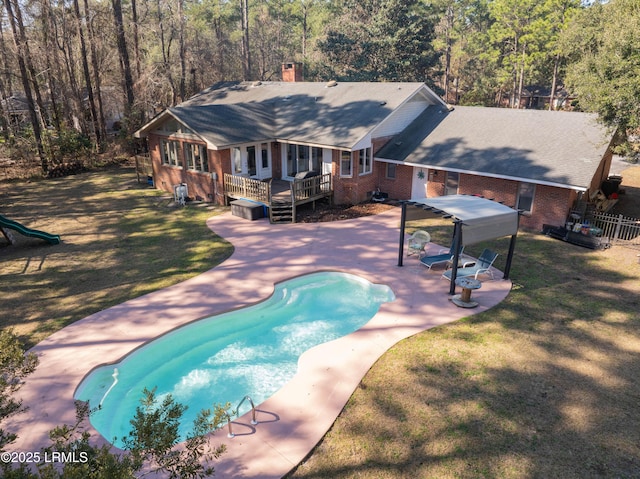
(296, 417)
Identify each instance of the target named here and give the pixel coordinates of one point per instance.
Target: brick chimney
(292, 72)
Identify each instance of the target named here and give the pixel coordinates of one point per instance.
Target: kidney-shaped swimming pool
(251, 351)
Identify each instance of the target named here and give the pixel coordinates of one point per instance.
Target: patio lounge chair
(443, 256)
(482, 266)
(418, 241)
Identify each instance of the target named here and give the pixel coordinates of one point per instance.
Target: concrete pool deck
(293, 420)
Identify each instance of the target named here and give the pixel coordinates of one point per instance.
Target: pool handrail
(253, 409)
(230, 434)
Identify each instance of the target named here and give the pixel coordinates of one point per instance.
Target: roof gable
(553, 147)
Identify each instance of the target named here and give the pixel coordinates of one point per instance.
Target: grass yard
(544, 385)
(120, 240)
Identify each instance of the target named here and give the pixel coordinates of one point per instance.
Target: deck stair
(281, 211)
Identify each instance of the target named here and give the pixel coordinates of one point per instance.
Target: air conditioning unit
(180, 193)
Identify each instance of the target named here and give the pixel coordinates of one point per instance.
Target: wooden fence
(144, 169)
(618, 228)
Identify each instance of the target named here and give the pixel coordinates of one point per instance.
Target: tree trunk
(45, 23)
(87, 77)
(521, 82)
(62, 97)
(76, 116)
(166, 53)
(5, 89)
(15, 19)
(96, 71)
(305, 29)
(447, 54)
(552, 96)
(246, 55)
(32, 74)
(124, 58)
(136, 37)
(183, 52)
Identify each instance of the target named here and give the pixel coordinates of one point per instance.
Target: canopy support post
(512, 247)
(457, 243)
(403, 220)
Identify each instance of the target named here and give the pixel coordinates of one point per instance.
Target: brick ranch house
(399, 138)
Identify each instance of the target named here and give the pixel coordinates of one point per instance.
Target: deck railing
(242, 187)
(308, 188)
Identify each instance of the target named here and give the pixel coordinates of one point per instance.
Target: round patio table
(467, 284)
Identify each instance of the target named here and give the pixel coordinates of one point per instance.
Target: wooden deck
(281, 196)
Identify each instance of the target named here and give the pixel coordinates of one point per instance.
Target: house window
(364, 161)
(196, 156)
(451, 183)
(174, 127)
(292, 164)
(251, 160)
(169, 152)
(301, 158)
(316, 158)
(236, 159)
(526, 192)
(391, 171)
(264, 151)
(345, 164)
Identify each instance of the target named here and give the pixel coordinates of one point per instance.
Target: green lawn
(542, 386)
(120, 240)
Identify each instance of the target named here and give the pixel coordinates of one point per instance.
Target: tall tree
(246, 51)
(554, 21)
(604, 48)
(382, 40)
(97, 130)
(514, 42)
(123, 55)
(96, 71)
(26, 74)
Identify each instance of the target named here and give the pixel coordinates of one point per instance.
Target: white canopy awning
(482, 219)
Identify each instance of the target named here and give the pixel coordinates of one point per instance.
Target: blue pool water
(252, 351)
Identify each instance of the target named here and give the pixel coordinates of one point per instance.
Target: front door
(253, 161)
(419, 183)
(264, 161)
(252, 169)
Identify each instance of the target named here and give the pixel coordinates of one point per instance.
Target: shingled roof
(546, 147)
(336, 115)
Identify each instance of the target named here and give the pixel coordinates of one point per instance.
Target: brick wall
(200, 185)
(292, 72)
(497, 189)
(355, 189)
(551, 205)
